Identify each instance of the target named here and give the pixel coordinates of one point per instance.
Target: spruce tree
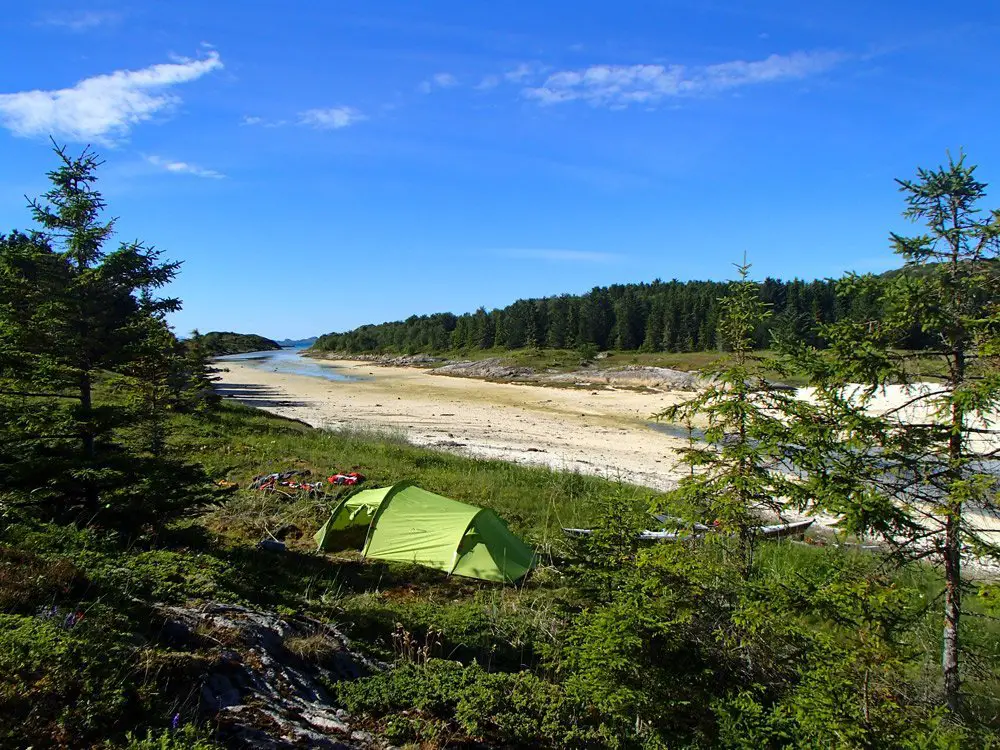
(739, 472)
(919, 475)
(91, 314)
(194, 389)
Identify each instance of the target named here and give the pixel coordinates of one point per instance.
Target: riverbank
(559, 368)
(594, 428)
(600, 430)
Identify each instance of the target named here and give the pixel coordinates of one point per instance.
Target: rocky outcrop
(488, 369)
(634, 375)
(630, 375)
(265, 686)
(498, 368)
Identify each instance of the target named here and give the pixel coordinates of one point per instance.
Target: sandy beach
(603, 430)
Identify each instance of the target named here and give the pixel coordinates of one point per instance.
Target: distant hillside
(298, 342)
(661, 316)
(672, 316)
(219, 343)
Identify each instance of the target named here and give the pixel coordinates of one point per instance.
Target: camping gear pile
(294, 480)
(408, 524)
(282, 479)
(349, 479)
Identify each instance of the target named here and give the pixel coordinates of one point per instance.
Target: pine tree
(38, 430)
(628, 322)
(150, 371)
(911, 475)
(460, 335)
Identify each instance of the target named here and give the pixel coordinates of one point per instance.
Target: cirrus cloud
(183, 167)
(331, 118)
(82, 20)
(104, 107)
(437, 81)
(621, 85)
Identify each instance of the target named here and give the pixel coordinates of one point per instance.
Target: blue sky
(321, 165)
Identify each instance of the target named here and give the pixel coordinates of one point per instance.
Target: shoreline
(599, 429)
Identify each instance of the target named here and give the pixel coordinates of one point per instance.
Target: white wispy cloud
(437, 81)
(104, 107)
(254, 120)
(562, 256)
(519, 73)
(83, 20)
(331, 118)
(183, 167)
(488, 82)
(621, 85)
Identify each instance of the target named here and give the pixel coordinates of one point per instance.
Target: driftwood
(698, 530)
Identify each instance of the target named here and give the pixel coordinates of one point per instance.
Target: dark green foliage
(64, 682)
(501, 709)
(219, 343)
(77, 318)
(661, 316)
(737, 477)
(29, 581)
(194, 381)
(671, 635)
(188, 737)
(918, 477)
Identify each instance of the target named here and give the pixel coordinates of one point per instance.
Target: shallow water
(677, 430)
(290, 360)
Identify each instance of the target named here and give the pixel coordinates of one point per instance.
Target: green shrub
(61, 680)
(497, 628)
(163, 575)
(417, 703)
(187, 737)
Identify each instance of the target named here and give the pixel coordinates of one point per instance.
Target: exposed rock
(260, 693)
(491, 369)
(634, 375)
(497, 368)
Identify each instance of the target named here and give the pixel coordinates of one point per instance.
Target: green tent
(409, 524)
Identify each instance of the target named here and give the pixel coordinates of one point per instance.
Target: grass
(243, 442)
(213, 556)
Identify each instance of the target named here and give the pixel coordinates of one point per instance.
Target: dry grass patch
(317, 648)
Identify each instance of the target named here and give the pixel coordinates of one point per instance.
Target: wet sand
(602, 430)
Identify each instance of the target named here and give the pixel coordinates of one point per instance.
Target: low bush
(421, 703)
(64, 679)
(159, 575)
(187, 737)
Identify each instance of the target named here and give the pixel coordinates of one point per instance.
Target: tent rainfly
(408, 524)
